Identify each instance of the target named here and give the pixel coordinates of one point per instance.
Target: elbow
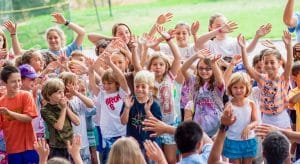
(124, 122)
(288, 22)
(76, 122)
(58, 127)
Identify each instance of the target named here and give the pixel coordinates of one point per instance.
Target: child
(80, 104)
(165, 74)
(3, 46)
(142, 106)
(17, 111)
(109, 101)
(207, 89)
(240, 143)
(273, 87)
(58, 117)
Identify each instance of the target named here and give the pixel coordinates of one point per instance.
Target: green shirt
(57, 138)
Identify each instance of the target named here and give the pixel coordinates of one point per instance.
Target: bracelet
(67, 23)
(168, 39)
(223, 128)
(12, 34)
(220, 30)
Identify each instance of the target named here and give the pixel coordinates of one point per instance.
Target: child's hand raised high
(241, 41)
(42, 148)
(236, 59)
(128, 101)
(147, 41)
(269, 44)
(58, 18)
(203, 53)
(287, 38)
(263, 30)
(10, 26)
(163, 18)
(228, 27)
(195, 27)
(162, 31)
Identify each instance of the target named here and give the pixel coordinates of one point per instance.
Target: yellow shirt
(296, 107)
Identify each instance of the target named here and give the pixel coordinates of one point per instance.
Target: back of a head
(276, 148)
(58, 160)
(126, 150)
(187, 135)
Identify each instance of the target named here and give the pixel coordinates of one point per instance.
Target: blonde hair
(145, 77)
(77, 53)
(51, 86)
(126, 150)
(60, 33)
(239, 77)
(160, 55)
(185, 25)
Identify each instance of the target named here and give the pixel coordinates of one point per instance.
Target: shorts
(28, 156)
(3, 157)
(86, 155)
(281, 120)
(167, 139)
(91, 138)
(234, 149)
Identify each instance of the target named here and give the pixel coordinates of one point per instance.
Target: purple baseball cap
(27, 71)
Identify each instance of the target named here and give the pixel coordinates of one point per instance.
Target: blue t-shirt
(68, 49)
(137, 115)
(198, 158)
(297, 27)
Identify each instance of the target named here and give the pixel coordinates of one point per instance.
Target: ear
(199, 145)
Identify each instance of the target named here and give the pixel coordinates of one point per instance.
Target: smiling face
(120, 61)
(182, 35)
(13, 83)
(37, 61)
(271, 64)
(123, 32)
(28, 84)
(54, 40)
(141, 89)
(239, 90)
(204, 71)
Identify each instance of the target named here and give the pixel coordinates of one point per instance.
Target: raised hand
(195, 27)
(10, 26)
(263, 129)
(263, 30)
(203, 53)
(154, 152)
(42, 148)
(78, 68)
(163, 18)
(228, 27)
(269, 44)
(215, 58)
(241, 41)
(228, 118)
(154, 125)
(51, 67)
(287, 38)
(73, 89)
(3, 54)
(236, 59)
(147, 40)
(74, 146)
(58, 18)
(128, 101)
(161, 30)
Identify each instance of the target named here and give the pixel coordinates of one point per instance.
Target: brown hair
(213, 18)
(199, 81)
(68, 78)
(4, 39)
(108, 75)
(51, 86)
(162, 56)
(185, 25)
(115, 27)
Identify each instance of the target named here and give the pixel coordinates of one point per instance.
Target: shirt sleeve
(292, 29)
(71, 47)
(29, 105)
(206, 149)
(48, 117)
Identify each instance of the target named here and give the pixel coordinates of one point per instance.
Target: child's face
(271, 64)
(28, 84)
(259, 67)
(13, 83)
(68, 93)
(123, 33)
(238, 90)
(56, 96)
(204, 71)
(158, 66)
(218, 22)
(110, 86)
(78, 58)
(37, 61)
(82, 89)
(54, 41)
(141, 89)
(182, 36)
(119, 61)
(1, 42)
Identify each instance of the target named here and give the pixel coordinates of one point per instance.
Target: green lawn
(249, 14)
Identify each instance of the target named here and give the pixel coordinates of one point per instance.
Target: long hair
(199, 81)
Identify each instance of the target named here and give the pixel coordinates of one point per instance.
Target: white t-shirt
(227, 47)
(108, 108)
(79, 108)
(185, 52)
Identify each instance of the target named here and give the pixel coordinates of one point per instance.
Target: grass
(140, 17)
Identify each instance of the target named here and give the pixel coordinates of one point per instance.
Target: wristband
(223, 128)
(67, 23)
(168, 39)
(12, 34)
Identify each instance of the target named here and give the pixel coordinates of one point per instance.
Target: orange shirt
(19, 136)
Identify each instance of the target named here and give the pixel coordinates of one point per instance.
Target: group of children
(58, 92)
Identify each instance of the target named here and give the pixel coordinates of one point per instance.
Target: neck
(238, 101)
(142, 100)
(11, 94)
(158, 79)
(182, 45)
(272, 76)
(189, 154)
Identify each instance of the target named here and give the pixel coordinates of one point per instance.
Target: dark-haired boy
(16, 113)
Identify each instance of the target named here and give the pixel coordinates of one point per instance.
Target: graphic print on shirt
(137, 121)
(269, 92)
(112, 100)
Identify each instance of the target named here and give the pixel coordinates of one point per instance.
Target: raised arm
(228, 72)
(261, 32)
(133, 46)
(288, 18)
(287, 39)
(251, 71)
(12, 29)
(194, 29)
(128, 103)
(217, 71)
(118, 73)
(73, 117)
(95, 89)
(87, 101)
(60, 19)
(177, 57)
(94, 38)
(226, 28)
(161, 19)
